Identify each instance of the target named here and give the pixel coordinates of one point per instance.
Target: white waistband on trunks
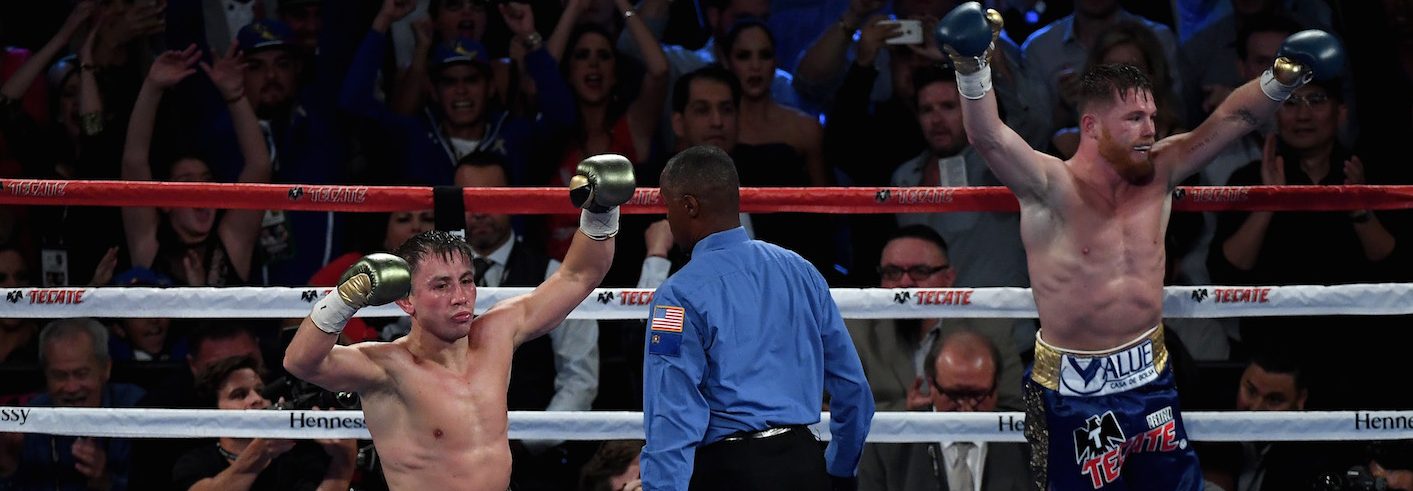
(1096, 373)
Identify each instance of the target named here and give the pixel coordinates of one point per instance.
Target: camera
(289, 393)
(1357, 478)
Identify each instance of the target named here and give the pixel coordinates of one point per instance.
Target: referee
(741, 345)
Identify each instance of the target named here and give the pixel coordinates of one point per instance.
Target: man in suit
(962, 373)
(985, 247)
(892, 350)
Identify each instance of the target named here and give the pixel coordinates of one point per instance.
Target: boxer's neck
(428, 347)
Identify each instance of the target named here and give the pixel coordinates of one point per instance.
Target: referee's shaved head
(702, 194)
(709, 174)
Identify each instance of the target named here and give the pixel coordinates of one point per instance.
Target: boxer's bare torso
(1096, 258)
(440, 427)
(1093, 227)
(435, 400)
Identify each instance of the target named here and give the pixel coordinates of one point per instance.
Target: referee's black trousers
(793, 460)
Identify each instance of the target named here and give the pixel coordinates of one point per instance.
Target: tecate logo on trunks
(1110, 374)
(1100, 447)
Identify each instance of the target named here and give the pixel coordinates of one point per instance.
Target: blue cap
(139, 276)
(463, 50)
(264, 34)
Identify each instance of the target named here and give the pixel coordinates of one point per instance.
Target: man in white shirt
(963, 378)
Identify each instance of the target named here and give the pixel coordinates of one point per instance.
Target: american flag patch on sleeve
(667, 319)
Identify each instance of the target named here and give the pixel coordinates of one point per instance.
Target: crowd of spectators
(799, 92)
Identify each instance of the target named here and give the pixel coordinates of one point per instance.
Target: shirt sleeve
(675, 412)
(357, 96)
(556, 102)
(654, 272)
(851, 401)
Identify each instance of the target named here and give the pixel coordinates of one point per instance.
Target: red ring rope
(838, 200)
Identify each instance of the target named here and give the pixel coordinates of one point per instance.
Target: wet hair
(67, 328)
(713, 72)
(612, 459)
(920, 232)
(1100, 84)
(707, 172)
(208, 382)
(930, 368)
(1141, 37)
(1280, 361)
(740, 27)
(432, 242)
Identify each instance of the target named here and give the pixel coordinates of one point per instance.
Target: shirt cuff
(655, 271)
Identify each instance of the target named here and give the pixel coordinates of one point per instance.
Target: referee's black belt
(766, 433)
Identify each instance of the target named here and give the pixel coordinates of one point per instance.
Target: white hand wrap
(974, 85)
(331, 314)
(599, 226)
(1274, 89)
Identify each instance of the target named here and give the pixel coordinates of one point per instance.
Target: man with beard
(1093, 231)
(985, 247)
(295, 96)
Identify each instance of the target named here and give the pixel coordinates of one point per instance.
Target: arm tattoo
(1244, 116)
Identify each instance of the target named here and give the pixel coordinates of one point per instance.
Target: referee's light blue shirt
(758, 341)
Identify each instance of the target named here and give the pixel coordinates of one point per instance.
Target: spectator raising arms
(194, 246)
(613, 117)
(461, 119)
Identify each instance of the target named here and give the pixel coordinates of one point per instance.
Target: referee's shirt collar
(721, 240)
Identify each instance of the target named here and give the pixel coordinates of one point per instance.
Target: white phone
(912, 31)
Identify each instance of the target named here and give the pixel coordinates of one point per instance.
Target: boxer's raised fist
(376, 279)
(602, 182)
(968, 34)
(1308, 54)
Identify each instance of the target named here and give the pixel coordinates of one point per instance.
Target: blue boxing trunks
(1107, 420)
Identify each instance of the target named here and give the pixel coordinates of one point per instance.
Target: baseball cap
(264, 34)
(462, 50)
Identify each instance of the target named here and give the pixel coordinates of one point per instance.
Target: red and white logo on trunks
(1100, 447)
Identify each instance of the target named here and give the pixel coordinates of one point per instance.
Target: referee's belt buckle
(766, 433)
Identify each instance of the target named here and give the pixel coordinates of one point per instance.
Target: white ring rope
(891, 427)
(628, 303)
